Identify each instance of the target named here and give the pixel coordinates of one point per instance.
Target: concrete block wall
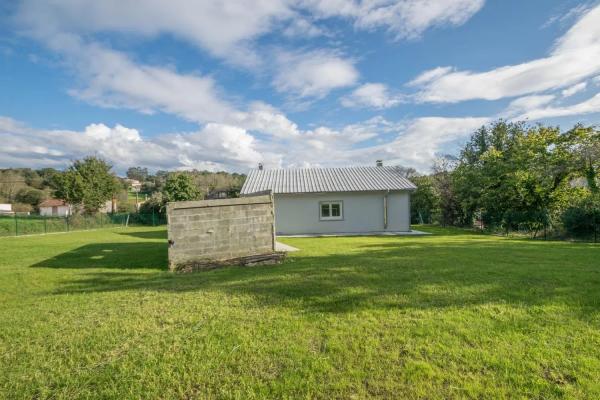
(217, 230)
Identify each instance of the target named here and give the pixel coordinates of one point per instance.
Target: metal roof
(316, 180)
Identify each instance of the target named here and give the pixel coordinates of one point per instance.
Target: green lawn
(454, 315)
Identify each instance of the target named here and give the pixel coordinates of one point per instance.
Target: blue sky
(290, 83)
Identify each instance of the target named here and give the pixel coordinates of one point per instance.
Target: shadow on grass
(159, 234)
(112, 255)
(389, 274)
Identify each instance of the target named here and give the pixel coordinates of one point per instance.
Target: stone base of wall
(248, 261)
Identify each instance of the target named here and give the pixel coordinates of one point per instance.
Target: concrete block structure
(206, 233)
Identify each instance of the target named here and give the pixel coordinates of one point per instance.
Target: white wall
(62, 211)
(362, 212)
(5, 207)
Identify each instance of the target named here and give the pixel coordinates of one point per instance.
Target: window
(331, 211)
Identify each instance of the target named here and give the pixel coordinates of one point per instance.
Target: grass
(36, 224)
(94, 314)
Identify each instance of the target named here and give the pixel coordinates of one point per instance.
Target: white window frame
(331, 218)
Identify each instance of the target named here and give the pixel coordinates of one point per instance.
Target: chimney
(260, 166)
(379, 163)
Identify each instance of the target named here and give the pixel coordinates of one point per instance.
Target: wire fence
(19, 224)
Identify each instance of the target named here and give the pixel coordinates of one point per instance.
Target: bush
(155, 204)
(583, 219)
(30, 196)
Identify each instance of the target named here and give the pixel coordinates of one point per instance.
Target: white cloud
(404, 18)
(430, 76)
(227, 29)
(112, 79)
(589, 106)
(303, 28)
(224, 28)
(314, 73)
(576, 56)
(522, 104)
(414, 143)
(425, 139)
(374, 95)
(215, 147)
(570, 91)
(563, 17)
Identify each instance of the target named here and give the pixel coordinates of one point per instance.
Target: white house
(55, 208)
(5, 208)
(335, 200)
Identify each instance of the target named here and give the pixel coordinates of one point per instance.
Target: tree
(30, 196)
(450, 211)
(583, 218)
(406, 172)
(137, 173)
(518, 176)
(10, 183)
(424, 201)
(88, 182)
(180, 187)
(155, 204)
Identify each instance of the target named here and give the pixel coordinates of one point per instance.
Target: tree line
(90, 182)
(511, 176)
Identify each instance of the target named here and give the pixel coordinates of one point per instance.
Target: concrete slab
(384, 233)
(284, 247)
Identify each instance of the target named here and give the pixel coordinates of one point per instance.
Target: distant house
(134, 184)
(6, 209)
(335, 200)
(55, 208)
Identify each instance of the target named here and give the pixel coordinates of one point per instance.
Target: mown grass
(451, 315)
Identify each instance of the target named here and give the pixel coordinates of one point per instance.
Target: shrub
(583, 219)
(30, 196)
(155, 204)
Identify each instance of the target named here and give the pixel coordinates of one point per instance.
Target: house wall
(362, 212)
(216, 230)
(62, 211)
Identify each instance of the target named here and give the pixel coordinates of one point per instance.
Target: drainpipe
(385, 209)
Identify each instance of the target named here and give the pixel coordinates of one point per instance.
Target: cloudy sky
(224, 85)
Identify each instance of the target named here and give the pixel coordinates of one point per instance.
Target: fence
(17, 225)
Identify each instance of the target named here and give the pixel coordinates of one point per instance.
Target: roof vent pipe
(379, 163)
(260, 166)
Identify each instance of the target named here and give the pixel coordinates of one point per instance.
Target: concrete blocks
(215, 231)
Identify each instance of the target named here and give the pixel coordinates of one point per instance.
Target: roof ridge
(326, 179)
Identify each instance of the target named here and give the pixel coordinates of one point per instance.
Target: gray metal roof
(315, 180)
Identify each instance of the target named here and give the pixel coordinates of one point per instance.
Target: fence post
(67, 222)
(16, 225)
(153, 222)
(45, 227)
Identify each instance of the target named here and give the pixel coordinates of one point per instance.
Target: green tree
(88, 183)
(424, 201)
(519, 176)
(30, 196)
(450, 212)
(583, 218)
(137, 173)
(180, 187)
(155, 204)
